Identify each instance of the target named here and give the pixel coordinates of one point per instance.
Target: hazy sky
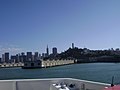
(29, 25)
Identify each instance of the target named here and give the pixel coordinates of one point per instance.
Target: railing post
(15, 85)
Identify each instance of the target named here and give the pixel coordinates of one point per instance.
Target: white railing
(46, 84)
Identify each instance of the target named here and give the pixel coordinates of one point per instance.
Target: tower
(72, 45)
(6, 57)
(47, 51)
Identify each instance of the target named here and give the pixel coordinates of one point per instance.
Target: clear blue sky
(29, 25)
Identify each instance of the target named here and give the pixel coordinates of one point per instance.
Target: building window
(32, 64)
(25, 64)
(38, 63)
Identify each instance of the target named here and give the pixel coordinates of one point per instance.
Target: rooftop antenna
(112, 81)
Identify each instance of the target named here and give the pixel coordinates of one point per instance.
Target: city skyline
(28, 25)
(47, 52)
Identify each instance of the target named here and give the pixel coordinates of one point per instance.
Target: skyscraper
(6, 57)
(47, 51)
(0, 60)
(23, 57)
(29, 56)
(43, 55)
(36, 56)
(54, 50)
(17, 58)
(3, 58)
(13, 58)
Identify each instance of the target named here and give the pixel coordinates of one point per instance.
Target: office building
(29, 56)
(36, 56)
(3, 58)
(39, 56)
(54, 50)
(13, 58)
(22, 57)
(43, 55)
(6, 57)
(17, 58)
(0, 60)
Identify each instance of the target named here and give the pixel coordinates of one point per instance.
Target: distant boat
(113, 88)
(32, 64)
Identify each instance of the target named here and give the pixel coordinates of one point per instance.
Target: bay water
(100, 72)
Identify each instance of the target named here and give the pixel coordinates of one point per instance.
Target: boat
(51, 84)
(113, 88)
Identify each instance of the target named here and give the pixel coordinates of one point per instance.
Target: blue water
(100, 72)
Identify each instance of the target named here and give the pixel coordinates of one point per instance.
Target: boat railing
(49, 84)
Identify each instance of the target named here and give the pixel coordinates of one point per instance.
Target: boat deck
(51, 84)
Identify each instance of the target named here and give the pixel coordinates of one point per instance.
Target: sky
(31, 25)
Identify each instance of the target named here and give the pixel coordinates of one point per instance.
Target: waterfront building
(6, 57)
(29, 56)
(54, 50)
(32, 64)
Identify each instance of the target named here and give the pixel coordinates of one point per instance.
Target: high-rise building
(22, 57)
(43, 55)
(6, 57)
(0, 60)
(3, 58)
(47, 51)
(17, 58)
(40, 56)
(36, 56)
(54, 50)
(13, 58)
(29, 56)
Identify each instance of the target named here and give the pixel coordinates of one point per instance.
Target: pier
(10, 65)
(52, 63)
(44, 63)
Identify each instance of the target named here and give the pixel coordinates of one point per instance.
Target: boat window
(38, 63)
